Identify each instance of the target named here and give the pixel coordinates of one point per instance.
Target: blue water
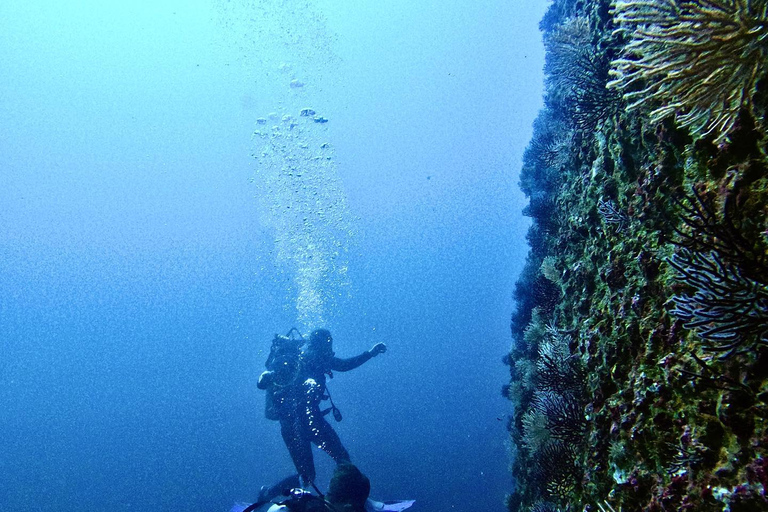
(147, 257)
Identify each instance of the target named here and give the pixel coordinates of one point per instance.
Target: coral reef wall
(639, 362)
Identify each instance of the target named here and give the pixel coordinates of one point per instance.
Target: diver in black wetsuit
(302, 423)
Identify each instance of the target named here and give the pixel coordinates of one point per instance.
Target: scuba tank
(283, 362)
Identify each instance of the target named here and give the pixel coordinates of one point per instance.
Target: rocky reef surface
(639, 362)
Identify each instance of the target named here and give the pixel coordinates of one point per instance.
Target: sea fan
(699, 60)
(727, 309)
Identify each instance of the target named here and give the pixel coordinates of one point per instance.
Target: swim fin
(247, 507)
(388, 506)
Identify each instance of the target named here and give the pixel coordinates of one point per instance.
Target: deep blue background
(139, 288)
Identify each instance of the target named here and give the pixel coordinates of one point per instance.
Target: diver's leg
(320, 431)
(299, 447)
(327, 439)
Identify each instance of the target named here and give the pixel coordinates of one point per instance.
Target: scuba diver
(348, 492)
(295, 382)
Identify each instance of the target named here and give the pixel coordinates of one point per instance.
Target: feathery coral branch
(699, 60)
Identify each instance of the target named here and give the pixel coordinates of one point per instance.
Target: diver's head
(349, 488)
(321, 343)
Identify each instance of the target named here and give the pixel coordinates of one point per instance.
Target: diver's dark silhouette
(296, 389)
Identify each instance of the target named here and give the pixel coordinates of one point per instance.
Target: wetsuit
(302, 423)
(306, 423)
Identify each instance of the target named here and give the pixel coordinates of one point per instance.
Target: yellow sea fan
(699, 60)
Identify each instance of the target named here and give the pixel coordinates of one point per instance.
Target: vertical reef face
(639, 362)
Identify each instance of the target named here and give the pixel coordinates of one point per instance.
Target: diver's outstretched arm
(339, 364)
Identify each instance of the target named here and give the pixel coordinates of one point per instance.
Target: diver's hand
(377, 349)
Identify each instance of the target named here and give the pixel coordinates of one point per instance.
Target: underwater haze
(165, 209)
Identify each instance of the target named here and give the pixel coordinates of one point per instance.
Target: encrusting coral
(639, 364)
(699, 60)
